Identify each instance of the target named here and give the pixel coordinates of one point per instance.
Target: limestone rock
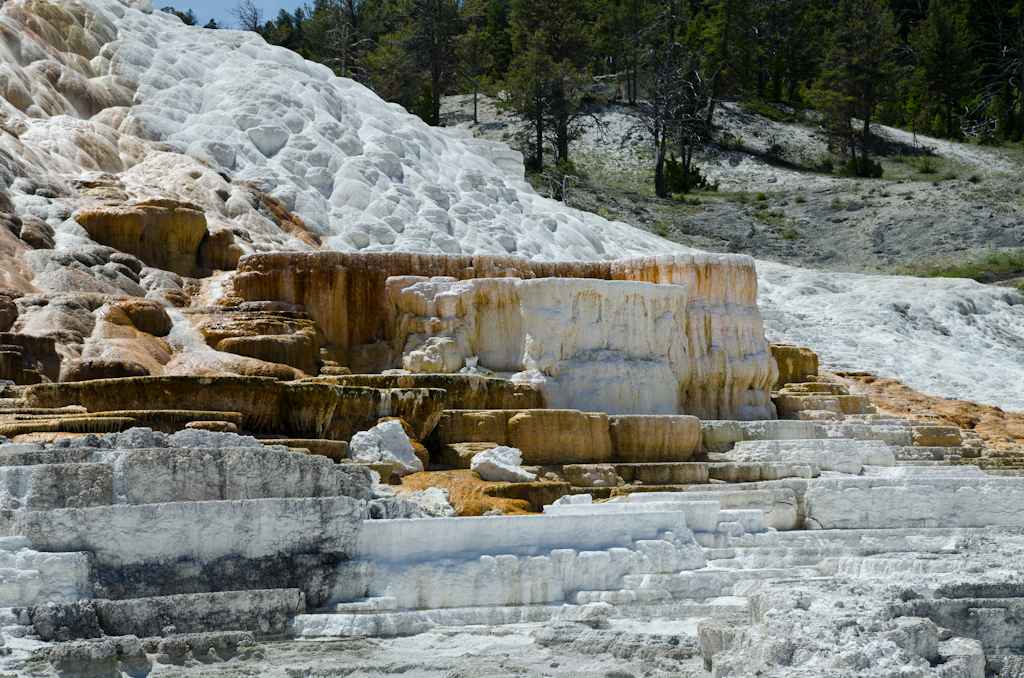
(654, 438)
(471, 426)
(936, 436)
(795, 364)
(501, 464)
(85, 369)
(163, 233)
(387, 442)
(146, 315)
(460, 455)
(217, 251)
(560, 437)
(590, 475)
(434, 502)
(463, 391)
(350, 298)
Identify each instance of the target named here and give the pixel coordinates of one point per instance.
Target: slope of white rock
(108, 87)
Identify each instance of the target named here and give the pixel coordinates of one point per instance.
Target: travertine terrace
(294, 384)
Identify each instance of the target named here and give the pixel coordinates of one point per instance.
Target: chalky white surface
(387, 441)
(501, 463)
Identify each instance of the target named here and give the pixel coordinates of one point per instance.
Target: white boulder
(501, 464)
(387, 441)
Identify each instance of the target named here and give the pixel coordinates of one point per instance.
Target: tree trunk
(475, 91)
(538, 162)
(716, 84)
(868, 105)
(1020, 107)
(344, 48)
(659, 164)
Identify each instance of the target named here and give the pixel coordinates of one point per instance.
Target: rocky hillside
(142, 158)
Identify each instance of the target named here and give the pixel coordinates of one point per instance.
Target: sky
(218, 9)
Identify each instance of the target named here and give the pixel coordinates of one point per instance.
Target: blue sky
(218, 9)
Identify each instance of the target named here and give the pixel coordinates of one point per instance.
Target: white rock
(387, 441)
(595, 345)
(434, 502)
(501, 464)
(364, 446)
(573, 499)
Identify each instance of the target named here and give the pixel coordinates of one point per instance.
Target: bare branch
(248, 15)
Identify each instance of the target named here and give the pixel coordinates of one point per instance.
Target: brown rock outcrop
(795, 364)
(294, 409)
(544, 436)
(274, 337)
(146, 315)
(346, 294)
(653, 438)
(464, 391)
(163, 233)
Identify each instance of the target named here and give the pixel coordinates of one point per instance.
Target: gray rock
(392, 508)
(136, 438)
(354, 481)
(192, 437)
(66, 621)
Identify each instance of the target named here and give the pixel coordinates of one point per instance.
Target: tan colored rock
(218, 251)
(669, 473)
(333, 449)
(560, 437)
(654, 438)
(591, 475)
(273, 337)
(471, 426)
(163, 233)
(146, 315)
(791, 406)
(84, 369)
(460, 455)
(795, 364)
(935, 436)
(465, 391)
(218, 426)
(346, 293)
(295, 409)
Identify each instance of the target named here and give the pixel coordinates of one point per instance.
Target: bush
(678, 180)
(863, 167)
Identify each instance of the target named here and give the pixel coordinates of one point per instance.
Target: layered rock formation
(729, 371)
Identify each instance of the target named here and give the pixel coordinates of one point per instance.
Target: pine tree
(432, 38)
(475, 59)
(944, 62)
(859, 65)
(526, 92)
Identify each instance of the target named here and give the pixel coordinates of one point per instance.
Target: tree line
(948, 68)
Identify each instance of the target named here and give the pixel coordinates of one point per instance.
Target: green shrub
(678, 180)
(863, 167)
(791, 234)
(799, 200)
(761, 197)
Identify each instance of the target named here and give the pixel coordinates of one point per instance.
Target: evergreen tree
(730, 33)
(432, 38)
(526, 94)
(859, 64)
(944, 64)
(498, 37)
(188, 17)
(475, 59)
